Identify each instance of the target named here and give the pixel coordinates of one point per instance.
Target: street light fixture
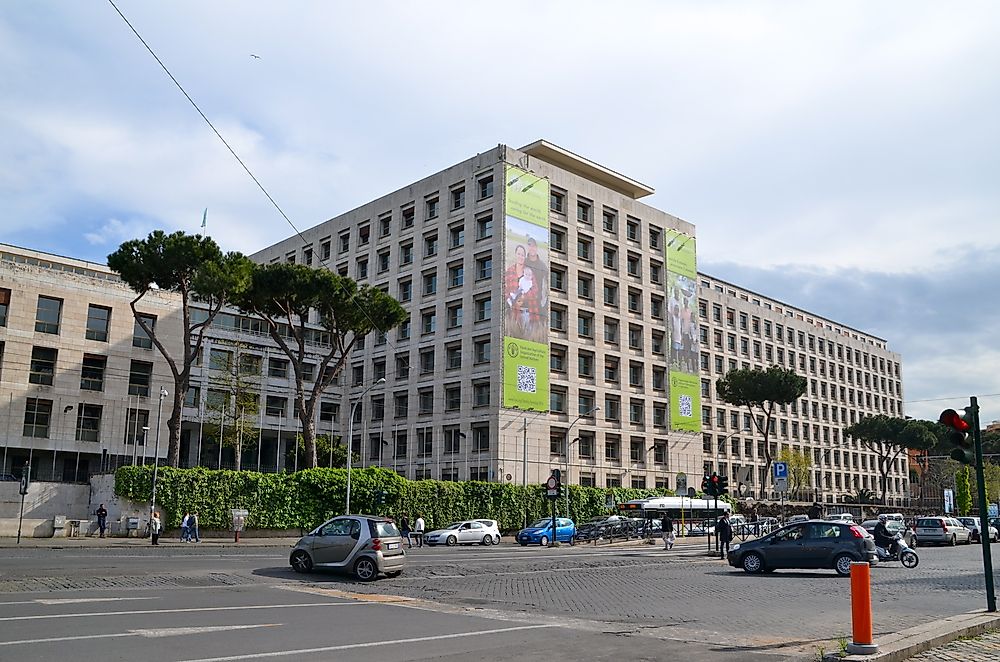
(156, 451)
(718, 446)
(569, 443)
(350, 440)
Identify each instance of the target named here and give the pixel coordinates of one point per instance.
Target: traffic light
(706, 485)
(959, 426)
(715, 485)
(723, 485)
(557, 474)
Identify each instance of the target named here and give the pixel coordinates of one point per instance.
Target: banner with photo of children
(525, 291)
(682, 329)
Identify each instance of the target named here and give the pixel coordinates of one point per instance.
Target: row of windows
(49, 316)
(38, 421)
(449, 440)
(820, 346)
(609, 219)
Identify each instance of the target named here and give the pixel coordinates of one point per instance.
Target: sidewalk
(90, 542)
(984, 647)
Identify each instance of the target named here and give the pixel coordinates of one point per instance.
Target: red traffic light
(954, 420)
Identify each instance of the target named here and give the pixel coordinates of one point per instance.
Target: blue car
(541, 532)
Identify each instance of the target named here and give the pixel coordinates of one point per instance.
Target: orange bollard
(861, 610)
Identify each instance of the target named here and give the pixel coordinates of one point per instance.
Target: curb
(907, 643)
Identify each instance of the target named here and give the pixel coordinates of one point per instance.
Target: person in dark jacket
(667, 526)
(816, 512)
(102, 519)
(404, 529)
(725, 532)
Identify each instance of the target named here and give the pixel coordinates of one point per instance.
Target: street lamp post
(156, 451)
(569, 443)
(350, 440)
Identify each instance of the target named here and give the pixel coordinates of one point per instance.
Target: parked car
(894, 527)
(810, 544)
(468, 532)
(494, 526)
(540, 532)
(972, 524)
(365, 545)
(797, 518)
(942, 531)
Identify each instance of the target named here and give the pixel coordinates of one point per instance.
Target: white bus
(691, 516)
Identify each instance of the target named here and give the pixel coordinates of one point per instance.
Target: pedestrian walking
(102, 518)
(185, 530)
(418, 529)
(154, 528)
(725, 532)
(816, 511)
(404, 528)
(667, 525)
(193, 527)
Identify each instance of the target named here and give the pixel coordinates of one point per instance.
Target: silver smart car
(365, 545)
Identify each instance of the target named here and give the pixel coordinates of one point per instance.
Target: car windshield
(929, 523)
(541, 523)
(453, 525)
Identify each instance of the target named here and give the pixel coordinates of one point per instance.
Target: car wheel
(572, 540)
(544, 541)
(496, 541)
(753, 563)
(301, 561)
(365, 569)
(909, 559)
(954, 540)
(487, 540)
(842, 564)
(452, 541)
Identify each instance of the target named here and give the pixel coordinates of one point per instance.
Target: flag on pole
(204, 219)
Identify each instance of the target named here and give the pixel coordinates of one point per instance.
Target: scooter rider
(883, 538)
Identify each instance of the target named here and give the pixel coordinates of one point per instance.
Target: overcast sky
(839, 156)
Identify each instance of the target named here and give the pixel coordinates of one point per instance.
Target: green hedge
(307, 498)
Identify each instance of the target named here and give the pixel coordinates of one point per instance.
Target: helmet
(882, 518)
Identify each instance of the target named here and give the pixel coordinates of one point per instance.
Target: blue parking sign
(780, 470)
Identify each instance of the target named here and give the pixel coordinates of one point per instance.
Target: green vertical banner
(682, 293)
(525, 291)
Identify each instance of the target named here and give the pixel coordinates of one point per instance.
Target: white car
(846, 518)
(468, 532)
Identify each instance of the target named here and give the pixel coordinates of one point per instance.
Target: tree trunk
(238, 446)
(308, 435)
(174, 429)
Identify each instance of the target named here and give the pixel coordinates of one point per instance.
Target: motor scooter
(902, 553)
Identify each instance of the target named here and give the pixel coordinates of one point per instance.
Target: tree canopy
(193, 267)
(759, 391)
(888, 437)
(287, 297)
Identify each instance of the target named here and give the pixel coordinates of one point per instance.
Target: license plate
(392, 545)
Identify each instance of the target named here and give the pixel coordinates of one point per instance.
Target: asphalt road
(199, 603)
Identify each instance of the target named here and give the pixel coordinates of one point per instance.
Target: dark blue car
(541, 532)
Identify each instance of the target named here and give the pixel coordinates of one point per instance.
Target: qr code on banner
(525, 379)
(685, 405)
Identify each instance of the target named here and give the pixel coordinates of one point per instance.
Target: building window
(220, 359)
(484, 226)
(557, 240)
(557, 401)
(557, 359)
(408, 215)
(4, 305)
(456, 236)
(612, 408)
(452, 397)
(609, 257)
(98, 323)
(458, 198)
(405, 254)
(611, 326)
(92, 372)
(432, 206)
(324, 250)
(37, 417)
(453, 356)
(456, 275)
(585, 325)
(139, 378)
(430, 283)
(609, 220)
(585, 361)
(425, 401)
(136, 424)
(585, 287)
(275, 405)
(385, 225)
(139, 336)
(557, 319)
(484, 267)
(88, 422)
(426, 361)
(612, 449)
(345, 243)
(192, 398)
(586, 445)
(585, 212)
(430, 245)
(277, 368)
(557, 279)
(484, 309)
(557, 202)
(403, 330)
(48, 314)
(636, 412)
(485, 187)
(428, 322)
(43, 366)
(425, 442)
(383, 261)
(481, 443)
(480, 394)
(585, 249)
(455, 316)
(632, 230)
(406, 290)
(482, 350)
(399, 443)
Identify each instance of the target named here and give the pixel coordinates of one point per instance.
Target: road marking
(60, 601)
(369, 644)
(180, 611)
(149, 634)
